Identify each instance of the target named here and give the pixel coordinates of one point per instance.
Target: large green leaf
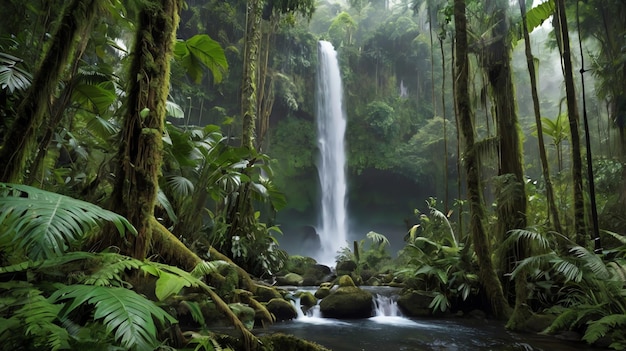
(11, 76)
(97, 97)
(538, 14)
(123, 312)
(198, 52)
(43, 224)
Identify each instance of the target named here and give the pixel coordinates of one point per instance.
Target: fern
(109, 270)
(43, 224)
(123, 312)
(601, 327)
(591, 261)
(207, 267)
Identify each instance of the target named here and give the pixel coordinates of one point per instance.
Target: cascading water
(331, 126)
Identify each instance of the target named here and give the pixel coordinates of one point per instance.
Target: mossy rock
(290, 279)
(322, 292)
(266, 293)
(283, 310)
(298, 264)
(348, 301)
(415, 304)
(283, 342)
(307, 299)
(316, 274)
(346, 267)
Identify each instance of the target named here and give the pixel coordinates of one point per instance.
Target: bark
(488, 276)
(249, 94)
(553, 213)
(573, 117)
(141, 150)
(21, 139)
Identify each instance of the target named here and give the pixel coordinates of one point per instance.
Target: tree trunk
(572, 114)
(141, 149)
(553, 213)
(249, 94)
(488, 276)
(21, 140)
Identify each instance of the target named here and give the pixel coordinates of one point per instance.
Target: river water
(388, 330)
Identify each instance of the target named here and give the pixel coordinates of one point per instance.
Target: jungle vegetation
(154, 150)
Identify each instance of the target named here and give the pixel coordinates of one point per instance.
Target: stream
(388, 330)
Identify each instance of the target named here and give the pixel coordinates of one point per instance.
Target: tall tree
(488, 275)
(553, 213)
(21, 140)
(573, 117)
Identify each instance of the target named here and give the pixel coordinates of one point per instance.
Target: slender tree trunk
(488, 275)
(595, 228)
(21, 140)
(141, 148)
(249, 94)
(573, 116)
(545, 167)
(445, 133)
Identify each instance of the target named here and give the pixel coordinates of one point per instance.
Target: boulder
(316, 274)
(323, 290)
(266, 293)
(347, 301)
(298, 264)
(307, 300)
(346, 267)
(290, 279)
(283, 310)
(415, 304)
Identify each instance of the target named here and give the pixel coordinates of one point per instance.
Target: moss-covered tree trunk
(21, 140)
(509, 185)
(573, 117)
(488, 276)
(140, 154)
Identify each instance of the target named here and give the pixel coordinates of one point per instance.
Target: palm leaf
(529, 235)
(125, 313)
(11, 76)
(44, 224)
(591, 261)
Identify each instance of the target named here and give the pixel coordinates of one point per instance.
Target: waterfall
(386, 306)
(331, 126)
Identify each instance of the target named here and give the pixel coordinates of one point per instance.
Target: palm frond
(43, 224)
(531, 264)
(378, 239)
(569, 270)
(123, 312)
(524, 234)
(591, 261)
(207, 267)
(43, 265)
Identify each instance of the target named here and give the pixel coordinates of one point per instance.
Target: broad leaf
(198, 52)
(97, 97)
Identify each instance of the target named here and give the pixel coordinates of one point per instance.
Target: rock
(283, 310)
(299, 264)
(373, 281)
(307, 299)
(346, 267)
(348, 301)
(316, 274)
(290, 279)
(266, 293)
(323, 290)
(415, 304)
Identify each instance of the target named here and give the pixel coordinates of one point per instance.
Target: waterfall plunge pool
(388, 330)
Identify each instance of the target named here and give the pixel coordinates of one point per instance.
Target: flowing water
(331, 125)
(389, 330)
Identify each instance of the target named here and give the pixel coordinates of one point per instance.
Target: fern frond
(43, 265)
(45, 224)
(534, 263)
(123, 312)
(601, 327)
(36, 318)
(378, 239)
(563, 321)
(195, 311)
(108, 273)
(618, 269)
(207, 267)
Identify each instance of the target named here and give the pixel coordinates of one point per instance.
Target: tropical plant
(587, 290)
(436, 263)
(57, 298)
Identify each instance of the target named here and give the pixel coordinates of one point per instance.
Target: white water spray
(331, 127)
